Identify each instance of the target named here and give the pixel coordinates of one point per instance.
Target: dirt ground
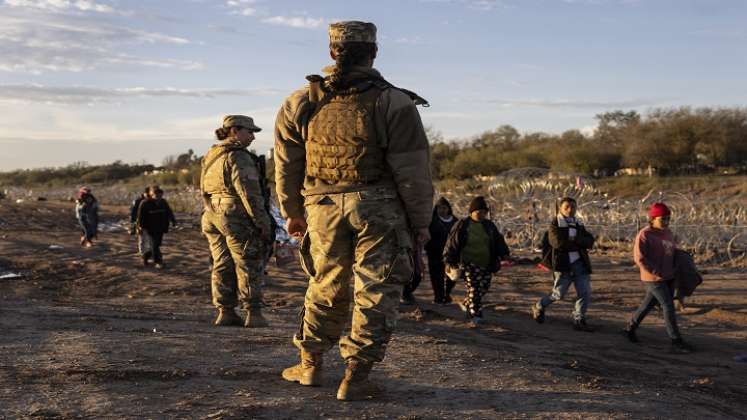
(89, 333)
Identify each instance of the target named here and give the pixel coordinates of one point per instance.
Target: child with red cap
(654, 255)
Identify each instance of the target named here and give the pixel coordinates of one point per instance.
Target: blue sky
(100, 80)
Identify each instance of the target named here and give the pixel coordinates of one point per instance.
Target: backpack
(546, 250)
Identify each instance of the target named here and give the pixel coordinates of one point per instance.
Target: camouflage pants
(238, 254)
(362, 237)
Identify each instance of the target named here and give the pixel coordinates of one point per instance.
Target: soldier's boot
(356, 386)
(254, 319)
(308, 372)
(227, 318)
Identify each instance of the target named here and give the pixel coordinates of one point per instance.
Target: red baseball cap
(658, 210)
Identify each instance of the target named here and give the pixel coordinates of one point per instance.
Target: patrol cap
(352, 31)
(240, 121)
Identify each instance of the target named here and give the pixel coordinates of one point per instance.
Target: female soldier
(235, 222)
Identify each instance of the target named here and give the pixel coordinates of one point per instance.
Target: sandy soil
(89, 333)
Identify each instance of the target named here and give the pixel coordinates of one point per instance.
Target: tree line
(670, 141)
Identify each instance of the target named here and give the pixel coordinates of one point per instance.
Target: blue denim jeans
(580, 279)
(662, 292)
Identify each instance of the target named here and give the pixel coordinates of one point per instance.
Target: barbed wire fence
(713, 230)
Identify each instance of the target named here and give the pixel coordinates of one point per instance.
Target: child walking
(654, 255)
(476, 247)
(568, 258)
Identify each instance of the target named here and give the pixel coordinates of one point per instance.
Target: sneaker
(680, 347)
(538, 314)
(629, 333)
(159, 266)
(475, 322)
(581, 325)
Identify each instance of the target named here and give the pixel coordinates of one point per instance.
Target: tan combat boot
(308, 372)
(227, 318)
(254, 318)
(355, 385)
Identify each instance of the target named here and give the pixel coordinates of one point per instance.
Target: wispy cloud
(242, 7)
(81, 95)
(67, 43)
(60, 5)
(303, 22)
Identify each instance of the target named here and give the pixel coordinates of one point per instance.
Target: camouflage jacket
(230, 171)
(400, 135)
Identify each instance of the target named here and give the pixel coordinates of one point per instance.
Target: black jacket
(439, 231)
(135, 208)
(557, 245)
(154, 216)
(458, 238)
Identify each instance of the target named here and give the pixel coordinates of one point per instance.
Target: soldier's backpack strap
(382, 83)
(205, 167)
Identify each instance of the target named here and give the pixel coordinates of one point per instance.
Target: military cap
(352, 31)
(240, 121)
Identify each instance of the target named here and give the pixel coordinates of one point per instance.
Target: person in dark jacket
(475, 246)
(441, 223)
(153, 219)
(87, 213)
(568, 258)
(143, 242)
(136, 206)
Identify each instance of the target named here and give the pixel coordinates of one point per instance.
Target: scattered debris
(9, 275)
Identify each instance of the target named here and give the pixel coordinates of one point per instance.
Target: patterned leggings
(477, 280)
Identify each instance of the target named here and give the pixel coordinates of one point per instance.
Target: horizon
(107, 80)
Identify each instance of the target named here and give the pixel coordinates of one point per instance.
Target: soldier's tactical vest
(341, 142)
(214, 181)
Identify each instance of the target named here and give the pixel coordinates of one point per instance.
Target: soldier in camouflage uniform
(235, 222)
(352, 173)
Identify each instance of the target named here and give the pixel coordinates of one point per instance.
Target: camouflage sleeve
(245, 180)
(408, 155)
(290, 154)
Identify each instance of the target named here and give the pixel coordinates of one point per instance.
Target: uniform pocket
(304, 256)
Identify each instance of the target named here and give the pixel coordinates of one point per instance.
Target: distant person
(87, 213)
(567, 254)
(235, 222)
(135, 206)
(143, 242)
(476, 246)
(153, 220)
(442, 222)
(654, 253)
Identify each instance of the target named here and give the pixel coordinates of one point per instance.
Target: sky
(136, 80)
